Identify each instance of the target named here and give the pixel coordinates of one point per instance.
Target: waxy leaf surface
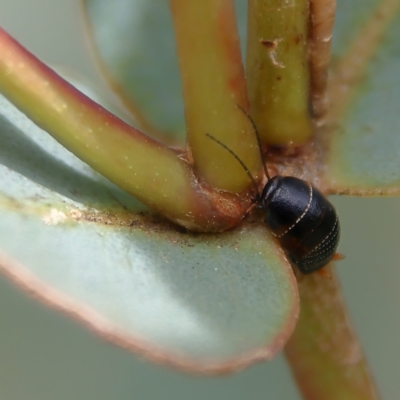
(201, 302)
(365, 152)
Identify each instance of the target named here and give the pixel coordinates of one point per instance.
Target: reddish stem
(324, 352)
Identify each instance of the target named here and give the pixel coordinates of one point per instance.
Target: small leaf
(365, 154)
(136, 46)
(202, 302)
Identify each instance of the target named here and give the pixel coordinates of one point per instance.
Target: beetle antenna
(258, 141)
(238, 159)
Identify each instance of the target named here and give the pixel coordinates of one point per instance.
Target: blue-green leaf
(136, 47)
(201, 302)
(365, 153)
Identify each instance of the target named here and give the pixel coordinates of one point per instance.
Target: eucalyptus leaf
(202, 302)
(365, 153)
(136, 46)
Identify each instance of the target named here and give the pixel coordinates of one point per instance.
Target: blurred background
(46, 356)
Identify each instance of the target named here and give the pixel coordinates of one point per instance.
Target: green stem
(278, 70)
(141, 166)
(324, 352)
(213, 87)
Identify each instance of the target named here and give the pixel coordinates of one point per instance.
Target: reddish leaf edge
(40, 291)
(363, 191)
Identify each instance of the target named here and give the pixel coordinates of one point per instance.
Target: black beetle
(299, 216)
(303, 220)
